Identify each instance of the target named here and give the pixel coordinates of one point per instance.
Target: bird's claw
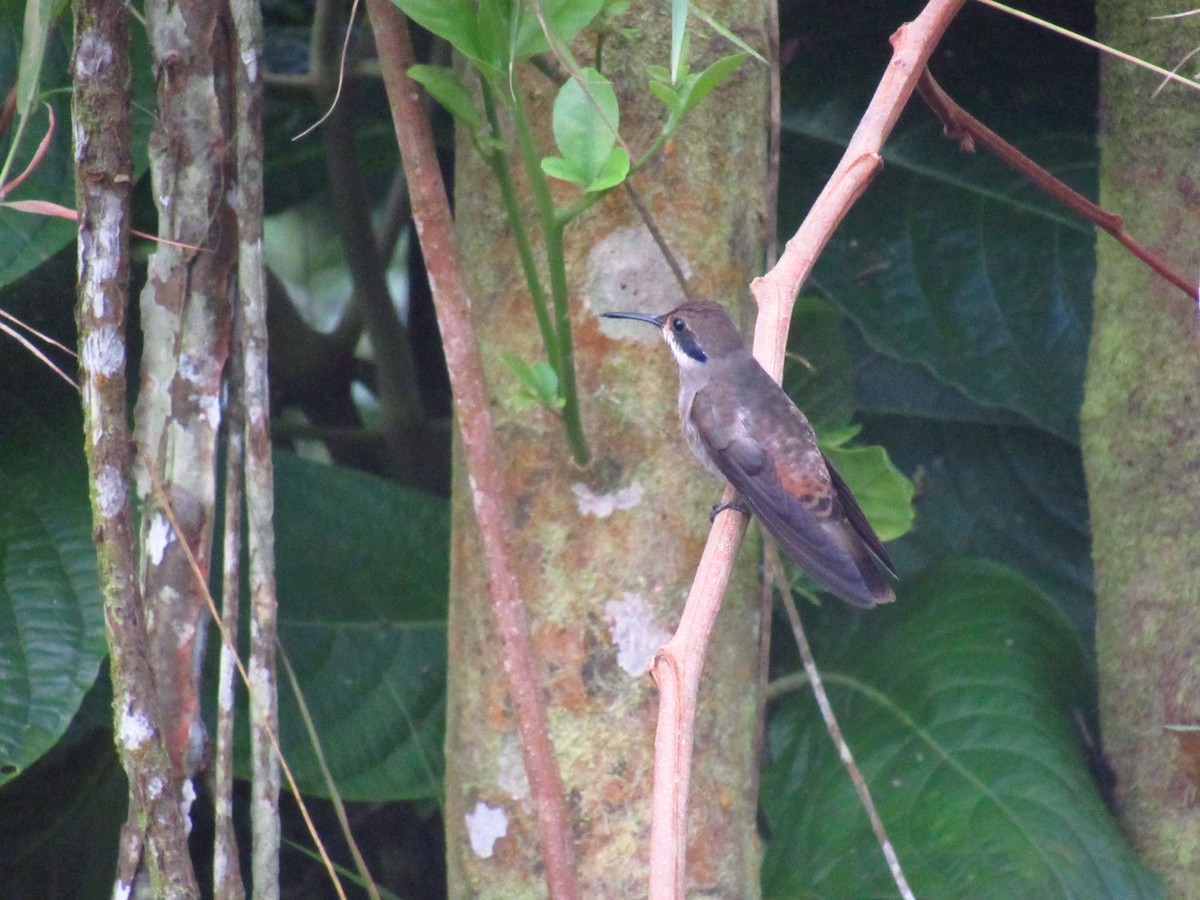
(735, 504)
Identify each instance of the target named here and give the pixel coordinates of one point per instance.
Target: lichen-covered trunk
(1141, 443)
(186, 318)
(606, 554)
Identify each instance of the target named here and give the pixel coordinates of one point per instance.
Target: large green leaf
(958, 702)
(1016, 495)
(363, 578)
(950, 262)
(70, 804)
(362, 570)
(51, 616)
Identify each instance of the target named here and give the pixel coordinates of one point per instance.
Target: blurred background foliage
(949, 318)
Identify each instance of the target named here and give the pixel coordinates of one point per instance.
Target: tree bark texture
(186, 320)
(154, 837)
(1141, 444)
(606, 554)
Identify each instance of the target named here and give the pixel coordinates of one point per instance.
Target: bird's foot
(735, 504)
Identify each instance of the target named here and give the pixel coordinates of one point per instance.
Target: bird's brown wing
(857, 519)
(772, 461)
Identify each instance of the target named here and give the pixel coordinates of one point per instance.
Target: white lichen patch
(259, 679)
(250, 64)
(92, 54)
(626, 271)
(185, 803)
(604, 505)
(210, 407)
(485, 825)
(154, 787)
(135, 729)
(110, 491)
(192, 367)
(103, 351)
(159, 536)
(184, 633)
(635, 632)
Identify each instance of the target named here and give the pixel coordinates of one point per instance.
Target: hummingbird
(742, 426)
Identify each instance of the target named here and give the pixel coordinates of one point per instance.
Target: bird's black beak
(656, 321)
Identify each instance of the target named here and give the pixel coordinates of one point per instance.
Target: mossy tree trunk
(1142, 446)
(606, 554)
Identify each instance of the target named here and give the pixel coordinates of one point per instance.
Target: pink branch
(435, 228)
(679, 663)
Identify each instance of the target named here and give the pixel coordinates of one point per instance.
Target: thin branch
(251, 312)
(678, 665)
(969, 131)
(1095, 45)
(776, 291)
(335, 797)
(489, 493)
(227, 870)
(835, 730)
(227, 638)
(659, 238)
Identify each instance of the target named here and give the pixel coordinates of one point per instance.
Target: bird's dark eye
(678, 325)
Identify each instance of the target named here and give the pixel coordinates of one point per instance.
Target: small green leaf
(696, 87)
(658, 74)
(539, 382)
(564, 19)
(668, 95)
(679, 14)
(586, 120)
(453, 20)
(613, 173)
(557, 167)
(881, 489)
(720, 29)
(444, 86)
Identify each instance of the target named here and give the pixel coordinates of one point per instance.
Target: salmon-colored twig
(970, 132)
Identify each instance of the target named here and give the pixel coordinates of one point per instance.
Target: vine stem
(435, 228)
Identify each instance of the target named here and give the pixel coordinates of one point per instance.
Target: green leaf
(958, 704)
(539, 382)
(447, 88)
(612, 173)
(885, 495)
(362, 568)
(817, 373)
(1016, 495)
(668, 95)
(564, 19)
(950, 264)
(563, 170)
(455, 21)
(39, 15)
(698, 86)
(586, 121)
(720, 28)
(51, 614)
(679, 14)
